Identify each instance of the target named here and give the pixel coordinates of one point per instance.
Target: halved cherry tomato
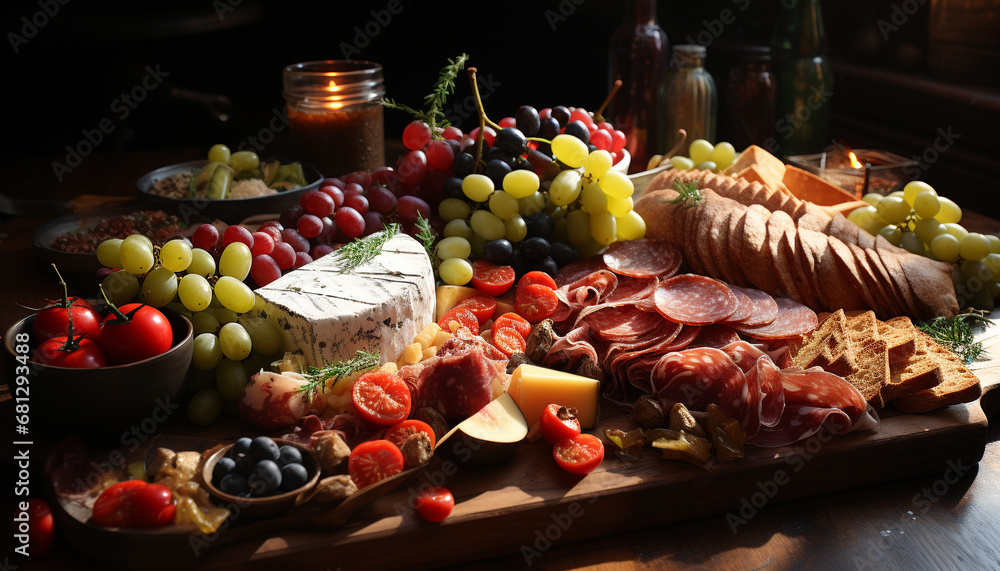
(463, 316)
(580, 454)
(400, 432)
(434, 504)
(514, 321)
(381, 398)
(492, 279)
(535, 302)
(84, 354)
(557, 423)
(536, 277)
(507, 340)
(152, 506)
(482, 306)
(372, 461)
(112, 507)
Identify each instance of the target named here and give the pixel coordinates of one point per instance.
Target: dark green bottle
(805, 80)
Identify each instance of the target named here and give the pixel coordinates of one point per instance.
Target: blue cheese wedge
(327, 315)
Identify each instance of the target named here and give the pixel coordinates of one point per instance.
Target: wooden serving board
(528, 504)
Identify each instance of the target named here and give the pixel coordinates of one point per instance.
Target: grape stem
(614, 90)
(483, 120)
(539, 140)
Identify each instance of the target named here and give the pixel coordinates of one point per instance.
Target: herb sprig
(955, 333)
(435, 100)
(689, 193)
(361, 251)
(427, 236)
(317, 378)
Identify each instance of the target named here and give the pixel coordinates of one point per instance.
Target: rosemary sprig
(361, 251)
(955, 333)
(317, 378)
(435, 100)
(427, 236)
(689, 193)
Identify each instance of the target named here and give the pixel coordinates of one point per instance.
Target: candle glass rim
(360, 67)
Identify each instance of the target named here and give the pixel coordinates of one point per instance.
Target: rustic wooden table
(946, 519)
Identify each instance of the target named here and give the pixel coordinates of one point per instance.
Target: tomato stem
(122, 318)
(65, 295)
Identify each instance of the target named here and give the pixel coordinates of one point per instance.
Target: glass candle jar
(335, 115)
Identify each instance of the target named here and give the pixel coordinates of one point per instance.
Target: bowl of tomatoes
(116, 382)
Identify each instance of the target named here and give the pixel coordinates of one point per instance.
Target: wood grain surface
(625, 517)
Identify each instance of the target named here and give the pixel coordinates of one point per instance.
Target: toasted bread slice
(921, 371)
(959, 384)
(829, 347)
(872, 372)
(899, 333)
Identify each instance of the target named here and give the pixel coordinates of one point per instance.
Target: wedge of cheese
(327, 315)
(534, 388)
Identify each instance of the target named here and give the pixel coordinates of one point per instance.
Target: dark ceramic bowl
(269, 505)
(229, 210)
(111, 405)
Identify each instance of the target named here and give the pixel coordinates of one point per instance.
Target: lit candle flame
(855, 163)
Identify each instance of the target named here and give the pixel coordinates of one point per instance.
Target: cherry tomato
(463, 316)
(400, 432)
(535, 302)
(580, 454)
(39, 525)
(84, 354)
(482, 306)
(507, 340)
(152, 505)
(558, 423)
(434, 504)
(54, 321)
(491, 279)
(146, 334)
(112, 507)
(381, 398)
(515, 321)
(372, 461)
(536, 277)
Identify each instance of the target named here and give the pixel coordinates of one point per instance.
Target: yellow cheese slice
(534, 388)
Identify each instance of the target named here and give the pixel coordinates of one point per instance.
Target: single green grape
(723, 154)
(235, 341)
(578, 228)
(565, 188)
(455, 271)
(928, 229)
(532, 204)
(631, 226)
(913, 188)
(230, 378)
(681, 163)
(700, 151)
(571, 151)
(204, 322)
(592, 198)
(596, 164)
(234, 294)
(175, 255)
(454, 209)
(477, 187)
(515, 229)
(945, 247)
(453, 247)
(205, 406)
(520, 183)
(619, 207)
(195, 292)
(159, 287)
(207, 352)
(265, 337)
(202, 263)
(893, 209)
(504, 205)
(121, 287)
(974, 246)
(955, 230)
(994, 243)
(892, 233)
(136, 255)
(926, 204)
(487, 225)
(911, 243)
(863, 216)
(872, 198)
(458, 228)
(949, 211)
(219, 154)
(604, 227)
(225, 315)
(707, 166)
(616, 185)
(235, 261)
(109, 253)
(244, 160)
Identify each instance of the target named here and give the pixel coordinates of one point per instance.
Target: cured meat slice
(767, 378)
(814, 400)
(621, 322)
(457, 384)
(746, 308)
(703, 376)
(794, 319)
(633, 289)
(592, 289)
(716, 335)
(695, 300)
(579, 270)
(642, 258)
(566, 351)
(765, 310)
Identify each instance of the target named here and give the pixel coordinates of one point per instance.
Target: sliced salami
(642, 258)
(703, 376)
(695, 300)
(579, 270)
(746, 308)
(793, 319)
(633, 289)
(622, 322)
(765, 310)
(716, 335)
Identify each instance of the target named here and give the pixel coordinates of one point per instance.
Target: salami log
(695, 300)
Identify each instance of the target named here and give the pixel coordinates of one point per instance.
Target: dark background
(224, 79)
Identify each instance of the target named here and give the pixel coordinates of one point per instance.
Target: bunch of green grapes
(703, 156)
(921, 222)
(230, 343)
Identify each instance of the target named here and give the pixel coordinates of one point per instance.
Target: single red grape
(309, 226)
(205, 237)
(357, 202)
(271, 223)
(452, 133)
(412, 167)
(295, 240)
(381, 200)
(352, 189)
(329, 231)
(488, 135)
(350, 222)
(363, 178)
(317, 203)
(283, 255)
(264, 269)
(373, 222)
(410, 206)
(263, 243)
(617, 140)
(601, 139)
(333, 182)
(237, 233)
(273, 231)
(440, 155)
(320, 250)
(507, 122)
(545, 113)
(291, 215)
(606, 126)
(416, 135)
(382, 176)
(301, 259)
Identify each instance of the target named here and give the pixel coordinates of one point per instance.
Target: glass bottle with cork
(687, 99)
(805, 79)
(639, 58)
(335, 115)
